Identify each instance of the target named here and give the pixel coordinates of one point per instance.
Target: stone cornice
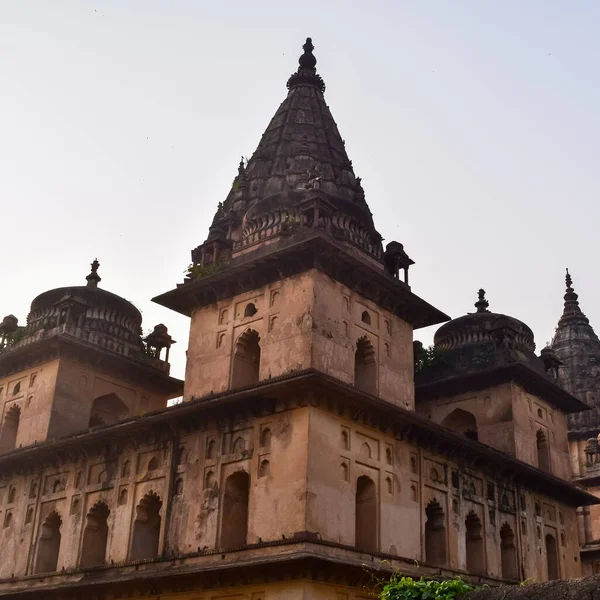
(299, 389)
(65, 345)
(295, 254)
(255, 564)
(519, 373)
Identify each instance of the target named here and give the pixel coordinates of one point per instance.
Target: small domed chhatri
(91, 314)
(485, 326)
(483, 339)
(96, 315)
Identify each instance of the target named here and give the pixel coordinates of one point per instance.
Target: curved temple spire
(571, 310)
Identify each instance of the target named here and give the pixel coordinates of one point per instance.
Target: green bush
(407, 588)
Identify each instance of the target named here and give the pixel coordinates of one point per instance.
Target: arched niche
(95, 536)
(365, 366)
(146, 528)
(463, 422)
(107, 410)
(245, 367)
(234, 520)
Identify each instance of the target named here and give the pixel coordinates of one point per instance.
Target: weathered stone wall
(305, 321)
(508, 418)
(578, 589)
(303, 467)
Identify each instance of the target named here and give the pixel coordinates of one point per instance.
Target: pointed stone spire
(572, 311)
(482, 304)
(93, 279)
(576, 345)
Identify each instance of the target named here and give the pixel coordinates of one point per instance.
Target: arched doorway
(234, 518)
(463, 422)
(8, 438)
(107, 410)
(48, 544)
(543, 451)
(95, 536)
(365, 366)
(474, 544)
(146, 528)
(245, 369)
(552, 557)
(435, 534)
(366, 514)
(508, 551)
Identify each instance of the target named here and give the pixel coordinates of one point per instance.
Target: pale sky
(474, 126)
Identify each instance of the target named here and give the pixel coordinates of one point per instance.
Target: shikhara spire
(571, 311)
(300, 155)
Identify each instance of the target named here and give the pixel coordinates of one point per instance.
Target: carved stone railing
(97, 338)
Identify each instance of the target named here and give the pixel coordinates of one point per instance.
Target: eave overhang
(63, 344)
(318, 389)
(521, 374)
(295, 254)
(299, 558)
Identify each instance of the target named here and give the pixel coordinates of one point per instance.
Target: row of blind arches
(234, 531)
(146, 528)
(436, 547)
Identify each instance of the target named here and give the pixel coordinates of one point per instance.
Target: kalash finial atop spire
(482, 304)
(307, 73)
(93, 279)
(572, 309)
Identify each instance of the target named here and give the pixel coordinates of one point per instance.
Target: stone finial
(307, 73)
(93, 279)
(308, 60)
(482, 304)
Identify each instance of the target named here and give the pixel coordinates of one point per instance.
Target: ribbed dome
(485, 326)
(94, 314)
(96, 298)
(481, 341)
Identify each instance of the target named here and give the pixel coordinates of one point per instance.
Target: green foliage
(427, 358)
(289, 223)
(407, 588)
(201, 271)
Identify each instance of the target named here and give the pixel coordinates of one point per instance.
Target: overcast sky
(474, 126)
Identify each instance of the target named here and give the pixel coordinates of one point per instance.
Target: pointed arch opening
(463, 422)
(435, 534)
(146, 528)
(543, 451)
(107, 410)
(48, 544)
(552, 557)
(95, 536)
(474, 544)
(365, 366)
(245, 368)
(265, 438)
(508, 553)
(234, 521)
(10, 428)
(366, 514)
